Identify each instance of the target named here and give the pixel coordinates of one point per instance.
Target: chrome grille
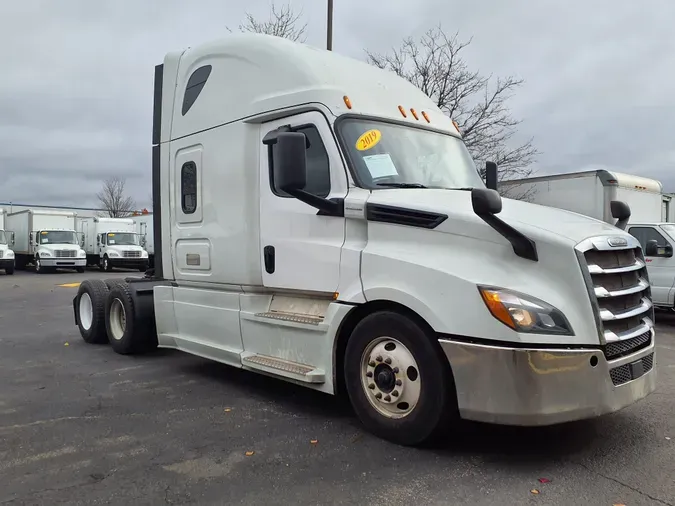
(64, 253)
(131, 254)
(618, 286)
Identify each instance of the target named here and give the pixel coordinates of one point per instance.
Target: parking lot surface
(80, 424)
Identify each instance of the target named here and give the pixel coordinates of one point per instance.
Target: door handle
(268, 255)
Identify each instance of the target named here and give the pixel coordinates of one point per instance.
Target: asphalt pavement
(82, 425)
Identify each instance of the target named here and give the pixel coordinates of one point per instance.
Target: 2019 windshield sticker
(368, 140)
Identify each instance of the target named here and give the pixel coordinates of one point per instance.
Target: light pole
(329, 28)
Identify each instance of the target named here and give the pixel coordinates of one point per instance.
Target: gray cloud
(76, 89)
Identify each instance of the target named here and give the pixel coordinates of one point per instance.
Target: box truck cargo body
(46, 239)
(320, 220)
(590, 193)
(144, 229)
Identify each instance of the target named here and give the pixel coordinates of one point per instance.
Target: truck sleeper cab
(321, 221)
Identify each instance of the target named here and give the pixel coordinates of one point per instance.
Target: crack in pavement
(615, 480)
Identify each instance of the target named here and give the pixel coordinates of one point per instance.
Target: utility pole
(329, 28)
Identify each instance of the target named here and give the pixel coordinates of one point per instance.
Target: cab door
(300, 248)
(661, 268)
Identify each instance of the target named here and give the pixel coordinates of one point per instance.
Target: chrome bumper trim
(533, 387)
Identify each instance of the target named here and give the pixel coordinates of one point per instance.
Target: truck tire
(9, 271)
(39, 269)
(105, 264)
(129, 333)
(113, 282)
(90, 304)
(399, 383)
(80, 269)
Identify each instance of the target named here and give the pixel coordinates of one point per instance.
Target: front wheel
(9, 271)
(398, 380)
(38, 266)
(79, 269)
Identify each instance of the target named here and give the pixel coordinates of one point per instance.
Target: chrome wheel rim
(86, 311)
(390, 377)
(118, 319)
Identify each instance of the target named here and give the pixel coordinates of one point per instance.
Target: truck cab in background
(112, 242)
(657, 241)
(6, 253)
(321, 221)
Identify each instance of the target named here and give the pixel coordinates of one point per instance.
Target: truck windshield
(388, 155)
(122, 239)
(3, 238)
(57, 237)
(670, 229)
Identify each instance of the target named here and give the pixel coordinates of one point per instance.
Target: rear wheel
(128, 332)
(90, 304)
(398, 380)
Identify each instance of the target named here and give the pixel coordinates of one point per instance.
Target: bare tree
(113, 200)
(283, 22)
(478, 103)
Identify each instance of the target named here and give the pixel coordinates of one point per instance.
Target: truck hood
(536, 221)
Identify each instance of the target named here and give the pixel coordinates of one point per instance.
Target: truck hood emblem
(617, 242)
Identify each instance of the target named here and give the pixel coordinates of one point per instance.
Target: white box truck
(144, 229)
(46, 239)
(320, 220)
(112, 242)
(591, 192)
(6, 253)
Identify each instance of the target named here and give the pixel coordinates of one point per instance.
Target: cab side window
(645, 234)
(318, 166)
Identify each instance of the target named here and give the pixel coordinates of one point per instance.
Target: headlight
(113, 254)
(144, 254)
(524, 313)
(82, 253)
(9, 254)
(45, 254)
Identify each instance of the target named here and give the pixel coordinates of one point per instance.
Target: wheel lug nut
(369, 374)
(387, 361)
(371, 386)
(395, 370)
(371, 364)
(395, 393)
(399, 383)
(378, 395)
(378, 358)
(387, 398)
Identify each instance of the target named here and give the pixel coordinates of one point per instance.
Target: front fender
(436, 275)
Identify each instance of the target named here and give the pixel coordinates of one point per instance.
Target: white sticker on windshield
(380, 165)
(111, 241)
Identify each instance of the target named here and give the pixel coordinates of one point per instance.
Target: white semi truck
(320, 220)
(144, 229)
(112, 242)
(6, 253)
(47, 239)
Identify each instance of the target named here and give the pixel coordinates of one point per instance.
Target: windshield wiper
(402, 185)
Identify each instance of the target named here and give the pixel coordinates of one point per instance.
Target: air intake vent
(403, 216)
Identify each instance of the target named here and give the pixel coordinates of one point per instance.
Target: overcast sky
(76, 79)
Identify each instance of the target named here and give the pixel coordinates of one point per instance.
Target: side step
(285, 368)
(291, 317)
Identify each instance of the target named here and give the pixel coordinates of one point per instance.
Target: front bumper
(530, 387)
(6, 262)
(128, 263)
(64, 263)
